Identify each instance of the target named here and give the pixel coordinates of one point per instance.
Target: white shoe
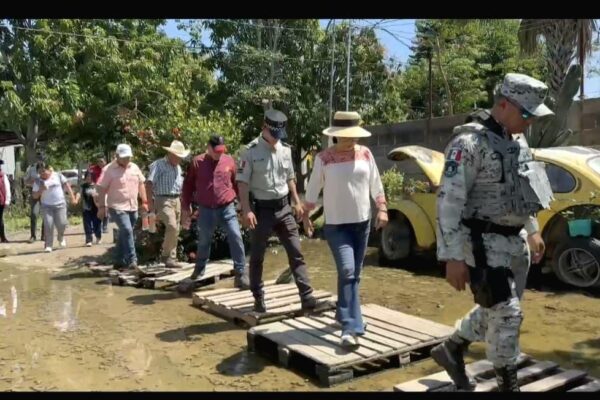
(347, 341)
(48, 249)
(63, 243)
(98, 241)
(88, 244)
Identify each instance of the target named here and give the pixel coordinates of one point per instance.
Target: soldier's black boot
(507, 378)
(449, 354)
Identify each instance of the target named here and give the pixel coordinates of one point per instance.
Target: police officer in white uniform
(266, 180)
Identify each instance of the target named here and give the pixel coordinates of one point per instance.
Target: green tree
(39, 92)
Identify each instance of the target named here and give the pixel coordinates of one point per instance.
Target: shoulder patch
(450, 168)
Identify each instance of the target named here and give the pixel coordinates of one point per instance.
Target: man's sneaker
(241, 280)
(449, 355)
(348, 340)
(88, 244)
(260, 306)
(118, 266)
(308, 303)
(186, 285)
(63, 244)
(32, 239)
(170, 263)
(98, 241)
(48, 249)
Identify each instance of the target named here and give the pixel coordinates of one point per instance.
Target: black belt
(275, 204)
(479, 226)
(171, 196)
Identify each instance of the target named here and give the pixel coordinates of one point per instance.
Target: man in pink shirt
(118, 189)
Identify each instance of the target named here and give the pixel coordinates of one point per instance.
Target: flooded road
(65, 329)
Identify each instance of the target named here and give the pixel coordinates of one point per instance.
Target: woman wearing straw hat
(347, 171)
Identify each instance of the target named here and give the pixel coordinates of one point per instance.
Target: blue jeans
(125, 249)
(207, 221)
(91, 225)
(348, 243)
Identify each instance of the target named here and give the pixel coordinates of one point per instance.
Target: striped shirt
(166, 178)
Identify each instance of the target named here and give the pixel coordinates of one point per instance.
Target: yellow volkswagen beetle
(574, 173)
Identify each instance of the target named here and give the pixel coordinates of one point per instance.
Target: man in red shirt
(96, 169)
(210, 181)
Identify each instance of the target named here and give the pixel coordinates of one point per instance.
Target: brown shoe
(170, 263)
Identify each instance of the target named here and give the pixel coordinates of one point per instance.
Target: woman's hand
(382, 219)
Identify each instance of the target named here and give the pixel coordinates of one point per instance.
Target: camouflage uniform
(499, 325)
(491, 178)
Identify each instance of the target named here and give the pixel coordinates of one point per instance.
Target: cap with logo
(276, 122)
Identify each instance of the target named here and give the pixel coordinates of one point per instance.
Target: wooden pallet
(282, 301)
(533, 376)
(214, 271)
(164, 277)
(311, 344)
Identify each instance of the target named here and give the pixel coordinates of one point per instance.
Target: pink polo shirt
(122, 186)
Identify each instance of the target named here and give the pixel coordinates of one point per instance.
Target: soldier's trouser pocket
(490, 286)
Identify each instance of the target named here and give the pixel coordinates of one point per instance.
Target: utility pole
(332, 74)
(582, 63)
(348, 66)
(430, 116)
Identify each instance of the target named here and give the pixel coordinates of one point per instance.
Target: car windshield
(594, 164)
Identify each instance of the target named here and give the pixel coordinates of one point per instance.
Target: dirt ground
(62, 328)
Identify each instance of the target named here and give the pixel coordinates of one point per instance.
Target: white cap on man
(124, 151)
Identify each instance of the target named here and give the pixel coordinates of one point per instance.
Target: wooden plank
(290, 292)
(369, 340)
(293, 300)
(554, 381)
(441, 379)
(210, 272)
(401, 334)
(523, 374)
(365, 341)
(359, 352)
(216, 291)
(297, 307)
(309, 346)
(593, 386)
(245, 293)
(407, 321)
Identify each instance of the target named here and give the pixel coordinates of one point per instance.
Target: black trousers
(282, 222)
(2, 233)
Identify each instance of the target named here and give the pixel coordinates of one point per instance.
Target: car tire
(395, 241)
(576, 262)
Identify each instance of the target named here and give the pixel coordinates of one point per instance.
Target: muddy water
(68, 330)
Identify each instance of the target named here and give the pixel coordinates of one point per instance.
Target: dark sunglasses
(524, 113)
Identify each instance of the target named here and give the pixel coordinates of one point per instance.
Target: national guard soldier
(265, 180)
(489, 196)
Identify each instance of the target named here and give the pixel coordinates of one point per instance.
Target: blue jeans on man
(348, 243)
(207, 221)
(125, 249)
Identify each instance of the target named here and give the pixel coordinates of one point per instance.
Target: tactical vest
(509, 181)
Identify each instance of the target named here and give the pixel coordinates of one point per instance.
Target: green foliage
(393, 183)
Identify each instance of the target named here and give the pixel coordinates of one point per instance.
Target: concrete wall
(388, 137)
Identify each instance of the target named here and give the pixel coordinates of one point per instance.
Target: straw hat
(346, 124)
(178, 149)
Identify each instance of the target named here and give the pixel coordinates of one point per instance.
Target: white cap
(124, 150)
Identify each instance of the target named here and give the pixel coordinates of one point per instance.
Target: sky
(404, 29)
